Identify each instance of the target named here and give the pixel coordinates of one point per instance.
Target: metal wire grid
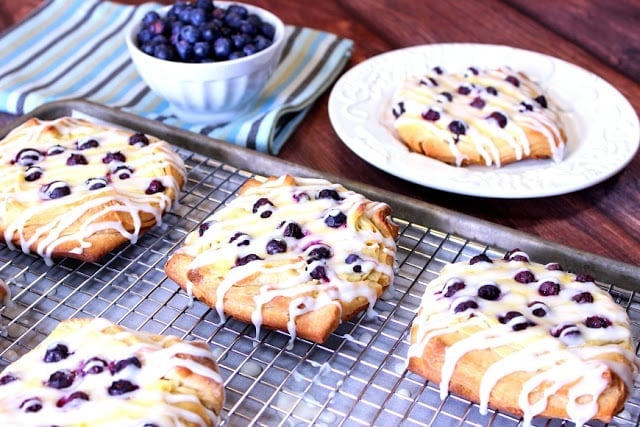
(356, 378)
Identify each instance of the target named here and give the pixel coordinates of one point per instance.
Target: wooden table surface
(600, 37)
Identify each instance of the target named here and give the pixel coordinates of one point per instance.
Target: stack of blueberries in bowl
(208, 59)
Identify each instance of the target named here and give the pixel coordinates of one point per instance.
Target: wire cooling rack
(356, 378)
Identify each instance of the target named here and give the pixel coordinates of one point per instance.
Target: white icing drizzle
(576, 361)
(151, 403)
(120, 196)
(417, 98)
(288, 274)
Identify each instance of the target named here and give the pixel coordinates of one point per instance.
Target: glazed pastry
(93, 372)
(478, 117)
(524, 338)
(296, 254)
(72, 188)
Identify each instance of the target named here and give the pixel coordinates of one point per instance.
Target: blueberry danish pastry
(69, 187)
(478, 117)
(91, 372)
(296, 254)
(525, 338)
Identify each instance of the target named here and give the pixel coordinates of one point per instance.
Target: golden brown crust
(86, 223)
(311, 320)
(181, 375)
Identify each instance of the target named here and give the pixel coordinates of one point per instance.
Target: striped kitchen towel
(75, 49)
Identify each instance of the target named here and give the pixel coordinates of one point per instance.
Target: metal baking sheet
(357, 377)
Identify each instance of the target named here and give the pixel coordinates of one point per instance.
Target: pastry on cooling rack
(295, 254)
(94, 372)
(69, 187)
(478, 117)
(524, 338)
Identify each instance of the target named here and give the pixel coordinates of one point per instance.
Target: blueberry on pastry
(94, 372)
(69, 187)
(524, 338)
(296, 254)
(477, 117)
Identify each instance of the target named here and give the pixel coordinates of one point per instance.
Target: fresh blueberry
(222, 48)
(202, 50)
(149, 17)
(249, 49)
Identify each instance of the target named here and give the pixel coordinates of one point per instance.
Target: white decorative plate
(602, 127)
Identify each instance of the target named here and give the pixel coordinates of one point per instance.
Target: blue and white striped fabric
(75, 49)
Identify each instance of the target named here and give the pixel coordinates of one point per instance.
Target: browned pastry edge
(239, 301)
(468, 372)
(420, 139)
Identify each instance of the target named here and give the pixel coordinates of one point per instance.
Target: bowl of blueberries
(209, 59)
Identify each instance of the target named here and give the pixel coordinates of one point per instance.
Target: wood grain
(601, 37)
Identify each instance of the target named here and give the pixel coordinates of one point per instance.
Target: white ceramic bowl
(213, 92)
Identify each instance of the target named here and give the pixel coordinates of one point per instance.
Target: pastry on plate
(524, 338)
(296, 254)
(478, 117)
(92, 372)
(69, 187)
